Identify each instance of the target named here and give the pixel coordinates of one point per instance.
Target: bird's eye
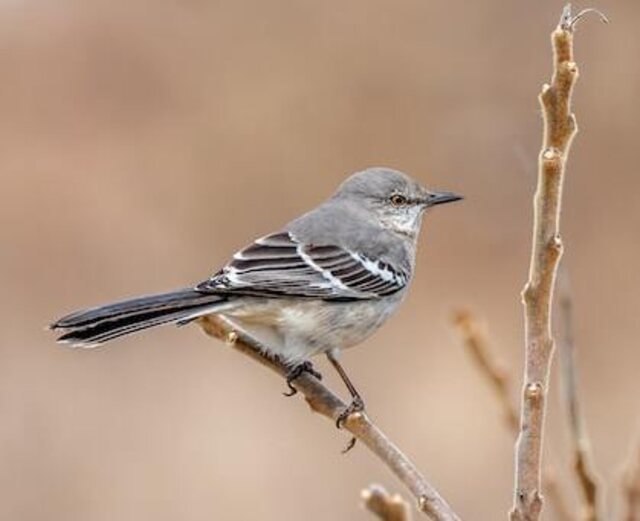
(398, 200)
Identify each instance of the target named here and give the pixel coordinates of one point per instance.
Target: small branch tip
(603, 18)
(568, 21)
(565, 18)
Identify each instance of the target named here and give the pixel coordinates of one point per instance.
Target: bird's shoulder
(285, 264)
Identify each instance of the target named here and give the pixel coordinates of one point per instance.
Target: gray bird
(324, 282)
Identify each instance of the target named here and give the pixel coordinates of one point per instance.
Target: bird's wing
(279, 266)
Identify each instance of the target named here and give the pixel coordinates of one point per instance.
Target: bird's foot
(356, 405)
(296, 372)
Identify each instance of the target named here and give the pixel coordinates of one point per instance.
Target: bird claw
(296, 372)
(350, 445)
(356, 405)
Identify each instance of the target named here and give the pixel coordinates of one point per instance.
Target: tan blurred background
(142, 142)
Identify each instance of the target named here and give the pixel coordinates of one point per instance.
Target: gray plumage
(326, 281)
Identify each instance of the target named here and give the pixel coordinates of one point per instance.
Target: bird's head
(397, 200)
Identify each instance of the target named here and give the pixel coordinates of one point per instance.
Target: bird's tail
(91, 327)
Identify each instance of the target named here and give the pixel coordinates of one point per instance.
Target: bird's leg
(297, 371)
(357, 404)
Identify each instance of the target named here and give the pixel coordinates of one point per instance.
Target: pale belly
(299, 329)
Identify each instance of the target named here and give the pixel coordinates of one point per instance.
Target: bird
(322, 283)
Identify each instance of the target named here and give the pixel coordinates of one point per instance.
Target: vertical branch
(490, 367)
(559, 130)
(582, 459)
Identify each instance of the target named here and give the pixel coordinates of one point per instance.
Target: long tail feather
(98, 325)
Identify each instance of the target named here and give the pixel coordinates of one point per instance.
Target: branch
(478, 347)
(559, 130)
(582, 459)
(387, 507)
(324, 402)
(631, 486)
(490, 367)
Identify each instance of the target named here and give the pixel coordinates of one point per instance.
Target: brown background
(142, 142)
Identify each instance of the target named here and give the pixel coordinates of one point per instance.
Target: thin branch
(384, 505)
(326, 403)
(631, 485)
(559, 130)
(582, 459)
(492, 369)
(572, 21)
(476, 342)
(553, 490)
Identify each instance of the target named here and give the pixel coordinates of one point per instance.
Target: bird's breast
(304, 328)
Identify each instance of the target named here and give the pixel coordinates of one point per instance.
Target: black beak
(434, 198)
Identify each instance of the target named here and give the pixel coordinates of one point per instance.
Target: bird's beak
(433, 198)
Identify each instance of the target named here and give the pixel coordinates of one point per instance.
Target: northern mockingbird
(324, 282)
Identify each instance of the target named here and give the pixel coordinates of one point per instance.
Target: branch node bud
(533, 391)
(551, 154)
(232, 337)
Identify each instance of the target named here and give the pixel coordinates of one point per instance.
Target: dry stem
(476, 342)
(490, 367)
(559, 129)
(384, 505)
(325, 402)
(631, 486)
(582, 460)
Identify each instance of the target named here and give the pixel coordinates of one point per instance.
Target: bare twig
(323, 401)
(559, 129)
(572, 21)
(631, 485)
(557, 499)
(476, 342)
(582, 458)
(384, 505)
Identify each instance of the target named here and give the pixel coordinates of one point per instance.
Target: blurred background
(141, 143)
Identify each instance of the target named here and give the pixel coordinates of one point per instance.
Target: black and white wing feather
(279, 266)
